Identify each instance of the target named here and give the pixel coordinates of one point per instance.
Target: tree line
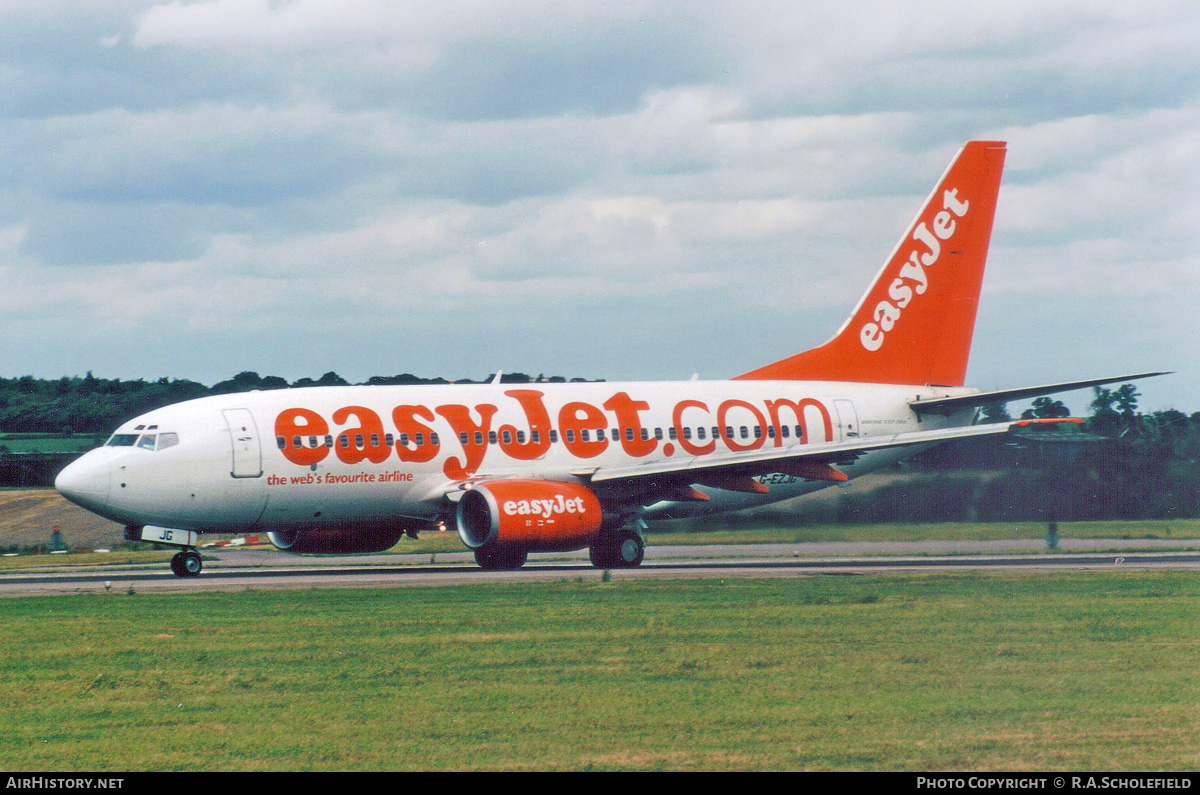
(90, 405)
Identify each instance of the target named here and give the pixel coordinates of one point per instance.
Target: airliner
(550, 467)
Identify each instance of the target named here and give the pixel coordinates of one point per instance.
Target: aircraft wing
(814, 461)
(946, 405)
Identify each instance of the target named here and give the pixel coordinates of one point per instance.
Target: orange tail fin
(915, 322)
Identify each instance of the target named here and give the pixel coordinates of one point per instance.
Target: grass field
(1097, 671)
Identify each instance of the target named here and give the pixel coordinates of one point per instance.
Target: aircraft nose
(84, 482)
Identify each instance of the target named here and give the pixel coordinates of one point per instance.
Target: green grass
(994, 671)
(723, 532)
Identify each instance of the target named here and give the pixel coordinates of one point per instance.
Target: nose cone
(85, 482)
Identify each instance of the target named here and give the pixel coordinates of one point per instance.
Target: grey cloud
(107, 234)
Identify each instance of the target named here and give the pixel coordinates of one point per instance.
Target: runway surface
(244, 569)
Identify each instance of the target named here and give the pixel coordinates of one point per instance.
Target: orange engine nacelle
(534, 515)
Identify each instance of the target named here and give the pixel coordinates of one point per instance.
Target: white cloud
(616, 190)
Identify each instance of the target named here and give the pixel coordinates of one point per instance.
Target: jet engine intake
(533, 515)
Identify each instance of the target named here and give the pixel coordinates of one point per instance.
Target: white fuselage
(359, 456)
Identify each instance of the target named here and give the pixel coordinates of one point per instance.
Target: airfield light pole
(1053, 452)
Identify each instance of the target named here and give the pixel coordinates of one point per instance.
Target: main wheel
(629, 549)
(189, 563)
(499, 558)
(623, 549)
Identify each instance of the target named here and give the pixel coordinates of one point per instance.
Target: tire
(600, 555)
(190, 563)
(628, 549)
(624, 549)
(499, 559)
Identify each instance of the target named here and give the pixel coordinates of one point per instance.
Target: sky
(620, 190)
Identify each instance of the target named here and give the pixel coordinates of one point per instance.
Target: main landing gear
(623, 549)
(494, 558)
(186, 563)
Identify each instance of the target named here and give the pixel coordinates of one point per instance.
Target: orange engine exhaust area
(535, 515)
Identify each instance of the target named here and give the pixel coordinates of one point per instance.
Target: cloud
(604, 190)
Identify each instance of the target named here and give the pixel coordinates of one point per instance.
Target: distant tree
(1104, 420)
(995, 412)
(332, 379)
(1113, 411)
(1045, 408)
(242, 382)
(1127, 401)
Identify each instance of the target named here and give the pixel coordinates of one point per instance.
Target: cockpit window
(146, 441)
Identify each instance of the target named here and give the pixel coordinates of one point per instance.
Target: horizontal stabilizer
(947, 405)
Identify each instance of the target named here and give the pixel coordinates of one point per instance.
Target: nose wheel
(186, 563)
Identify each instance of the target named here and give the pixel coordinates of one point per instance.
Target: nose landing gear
(186, 562)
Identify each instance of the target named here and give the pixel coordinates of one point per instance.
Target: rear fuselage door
(847, 419)
(247, 451)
